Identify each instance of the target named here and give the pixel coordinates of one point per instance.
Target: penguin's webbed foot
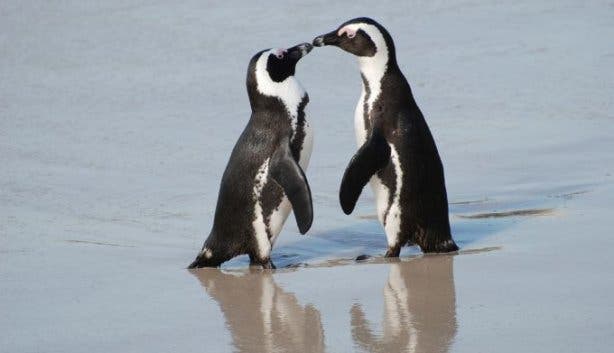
(363, 257)
(393, 251)
(269, 265)
(265, 264)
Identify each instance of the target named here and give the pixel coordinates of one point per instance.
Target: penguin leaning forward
(264, 178)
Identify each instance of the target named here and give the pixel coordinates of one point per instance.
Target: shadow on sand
(471, 222)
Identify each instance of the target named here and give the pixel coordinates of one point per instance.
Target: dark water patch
(296, 265)
(96, 243)
(376, 259)
(363, 257)
(470, 202)
(513, 213)
(569, 195)
(369, 259)
(480, 250)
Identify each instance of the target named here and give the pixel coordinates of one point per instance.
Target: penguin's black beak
(326, 39)
(299, 51)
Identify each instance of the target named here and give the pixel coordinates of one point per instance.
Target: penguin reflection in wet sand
(264, 178)
(419, 309)
(397, 152)
(260, 315)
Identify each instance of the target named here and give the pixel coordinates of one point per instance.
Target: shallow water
(117, 119)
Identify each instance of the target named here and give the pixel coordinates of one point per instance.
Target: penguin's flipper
(288, 174)
(371, 157)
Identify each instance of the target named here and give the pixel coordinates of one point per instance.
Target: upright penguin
(397, 152)
(264, 178)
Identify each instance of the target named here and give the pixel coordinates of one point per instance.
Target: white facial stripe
(373, 32)
(378, 39)
(372, 67)
(289, 90)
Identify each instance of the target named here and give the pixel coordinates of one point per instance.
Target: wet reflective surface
(418, 301)
(260, 315)
(419, 309)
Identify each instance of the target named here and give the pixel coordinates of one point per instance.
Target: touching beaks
(299, 51)
(331, 38)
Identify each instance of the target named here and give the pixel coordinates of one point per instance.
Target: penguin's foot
(362, 257)
(393, 251)
(264, 264)
(269, 265)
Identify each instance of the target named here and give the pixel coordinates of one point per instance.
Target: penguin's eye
(279, 53)
(349, 32)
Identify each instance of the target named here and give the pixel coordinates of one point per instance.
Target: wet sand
(117, 119)
(418, 300)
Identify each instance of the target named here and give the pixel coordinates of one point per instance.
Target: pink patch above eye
(349, 32)
(279, 53)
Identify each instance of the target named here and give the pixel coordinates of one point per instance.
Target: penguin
(264, 179)
(397, 153)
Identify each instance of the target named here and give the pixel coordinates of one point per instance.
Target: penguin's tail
(447, 245)
(434, 241)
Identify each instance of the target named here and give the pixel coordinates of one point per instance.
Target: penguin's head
(276, 65)
(361, 36)
(271, 73)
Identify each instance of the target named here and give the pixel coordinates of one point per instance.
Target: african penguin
(264, 178)
(397, 152)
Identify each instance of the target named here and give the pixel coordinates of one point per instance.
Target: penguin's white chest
(275, 221)
(381, 192)
(307, 145)
(359, 121)
(388, 209)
